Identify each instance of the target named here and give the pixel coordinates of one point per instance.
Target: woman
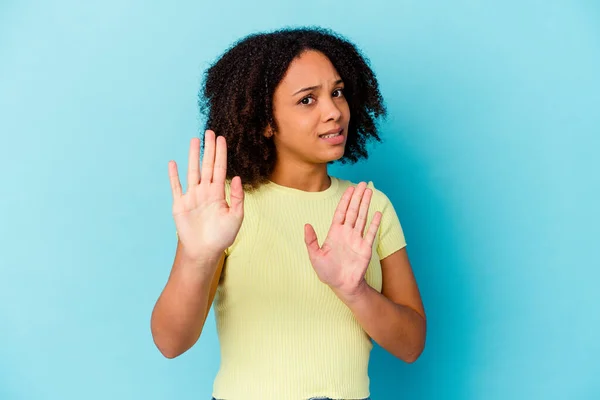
(305, 269)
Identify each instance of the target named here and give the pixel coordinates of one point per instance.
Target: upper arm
(399, 283)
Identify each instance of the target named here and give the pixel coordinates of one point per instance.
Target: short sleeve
(390, 234)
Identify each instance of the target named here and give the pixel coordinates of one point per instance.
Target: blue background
(490, 157)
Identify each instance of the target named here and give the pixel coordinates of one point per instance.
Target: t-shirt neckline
(332, 189)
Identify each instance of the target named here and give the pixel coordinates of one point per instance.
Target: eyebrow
(306, 89)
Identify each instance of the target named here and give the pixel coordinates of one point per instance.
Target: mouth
(333, 138)
(332, 134)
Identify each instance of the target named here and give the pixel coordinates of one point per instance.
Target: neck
(308, 178)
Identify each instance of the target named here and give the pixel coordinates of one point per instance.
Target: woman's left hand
(342, 261)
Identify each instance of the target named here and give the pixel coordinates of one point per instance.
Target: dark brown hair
(237, 96)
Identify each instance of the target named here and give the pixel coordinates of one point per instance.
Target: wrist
(199, 257)
(204, 264)
(354, 295)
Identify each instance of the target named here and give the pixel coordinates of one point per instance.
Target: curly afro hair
(237, 96)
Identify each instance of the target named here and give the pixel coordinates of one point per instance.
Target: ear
(268, 132)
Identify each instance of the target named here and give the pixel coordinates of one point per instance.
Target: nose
(331, 111)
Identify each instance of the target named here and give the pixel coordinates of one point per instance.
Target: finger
(361, 221)
(352, 212)
(193, 175)
(372, 232)
(220, 168)
(310, 238)
(340, 211)
(237, 196)
(208, 156)
(174, 179)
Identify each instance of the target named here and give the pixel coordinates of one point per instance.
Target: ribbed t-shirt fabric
(283, 333)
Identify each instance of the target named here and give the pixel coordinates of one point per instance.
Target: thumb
(310, 238)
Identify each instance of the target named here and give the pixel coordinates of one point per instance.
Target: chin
(334, 156)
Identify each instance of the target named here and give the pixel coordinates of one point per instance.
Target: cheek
(300, 123)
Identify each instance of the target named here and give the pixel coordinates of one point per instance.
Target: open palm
(342, 261)
(206, 224)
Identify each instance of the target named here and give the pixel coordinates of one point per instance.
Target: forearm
(397, 328)
(179, 314)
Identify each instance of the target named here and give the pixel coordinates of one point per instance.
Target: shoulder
(379, 199)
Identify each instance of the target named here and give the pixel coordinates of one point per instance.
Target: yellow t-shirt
(283, 333)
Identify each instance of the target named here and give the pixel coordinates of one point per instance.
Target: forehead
(310, 68)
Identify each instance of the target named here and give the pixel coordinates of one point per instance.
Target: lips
(332, 133)
(336, 138)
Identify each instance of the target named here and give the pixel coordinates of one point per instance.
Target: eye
(306, 98)
(341, 91)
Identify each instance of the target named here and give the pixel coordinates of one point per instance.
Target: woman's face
(308, 103)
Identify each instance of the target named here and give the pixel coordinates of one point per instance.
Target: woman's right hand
(205, 223)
